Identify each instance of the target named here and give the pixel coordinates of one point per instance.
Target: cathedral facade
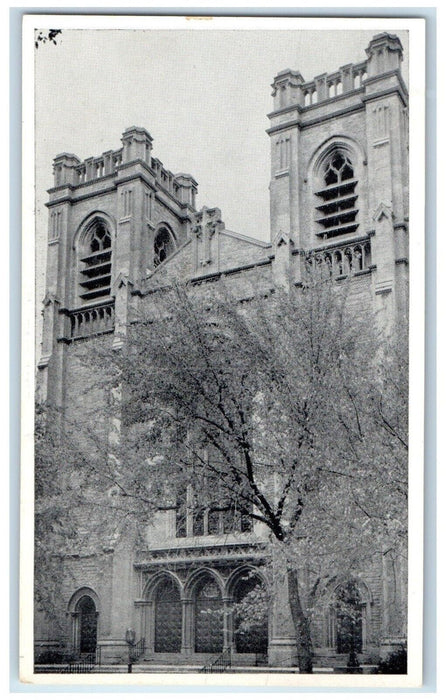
(121, 226)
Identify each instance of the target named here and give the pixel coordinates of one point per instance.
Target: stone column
(141, 606)
(283, 247)
(75, 632)
(149, 626)
(383, 269)
(228, 624)
(187, 631)
(282, 644)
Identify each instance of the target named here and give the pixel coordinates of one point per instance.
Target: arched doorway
(168, 617)
(250, 621)
(349, 613)
(208, 617)
(88, 625)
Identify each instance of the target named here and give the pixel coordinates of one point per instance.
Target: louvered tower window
(96, 264)
(337, 211)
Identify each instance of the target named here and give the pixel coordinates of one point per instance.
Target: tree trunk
(301, 625)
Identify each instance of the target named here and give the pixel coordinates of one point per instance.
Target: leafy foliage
(396, 662)
(76, 506)
(53, 528)
(291, 404)
(286, 405)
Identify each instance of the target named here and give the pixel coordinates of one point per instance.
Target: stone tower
(339, 169)
(112, 220)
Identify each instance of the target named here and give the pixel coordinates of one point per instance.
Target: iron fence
(220, 664)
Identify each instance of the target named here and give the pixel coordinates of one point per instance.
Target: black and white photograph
(218, 470)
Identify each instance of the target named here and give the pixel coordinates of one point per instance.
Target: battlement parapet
(137, 145)
(290, 89)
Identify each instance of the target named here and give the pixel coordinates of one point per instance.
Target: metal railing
(220, 664)
(85, 664)
(137, 650)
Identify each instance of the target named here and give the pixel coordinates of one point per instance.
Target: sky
(202, 95)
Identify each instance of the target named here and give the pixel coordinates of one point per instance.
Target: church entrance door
(168, 612)
(208, 618)
(88, 625)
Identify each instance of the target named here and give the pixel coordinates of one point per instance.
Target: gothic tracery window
(95, 274)
(337, 207)
(163, 246)
(215, 516)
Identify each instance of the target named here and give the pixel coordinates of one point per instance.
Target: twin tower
(339, 188)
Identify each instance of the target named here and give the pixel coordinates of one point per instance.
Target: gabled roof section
(246, 239)
(210, 250)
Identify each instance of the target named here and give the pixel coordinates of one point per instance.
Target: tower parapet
(137, 145)
(287, 88)
(384, 55)
(137, 148)
(65, 169)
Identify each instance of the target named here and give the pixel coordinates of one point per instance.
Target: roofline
(247, 239)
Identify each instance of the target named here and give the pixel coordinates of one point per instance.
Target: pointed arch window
(163, 246)
(200, 514)
(337, 208)
(95, 273)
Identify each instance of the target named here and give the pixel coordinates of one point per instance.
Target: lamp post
(130, 639)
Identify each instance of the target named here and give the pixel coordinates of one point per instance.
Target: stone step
(167, 659)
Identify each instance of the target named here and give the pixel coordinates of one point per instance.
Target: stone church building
(122, 225)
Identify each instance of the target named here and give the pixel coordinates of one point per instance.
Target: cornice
(316, 120)
(385, 93)
(285, 110)
(73, 199)
(359, 107)
(388, 74)
(283, 127)
(227, 273)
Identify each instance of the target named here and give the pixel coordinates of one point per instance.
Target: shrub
(396, 662)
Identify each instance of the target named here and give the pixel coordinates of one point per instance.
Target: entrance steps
(197, 660)
(330, 660)
(154, 668)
